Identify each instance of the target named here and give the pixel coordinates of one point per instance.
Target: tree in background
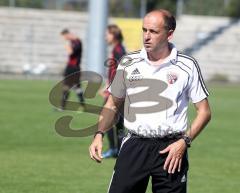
(162, 4)
(131, 8)
(4, 2)
(29, 3)
(233, 9)
(205, 7)
(23, 3)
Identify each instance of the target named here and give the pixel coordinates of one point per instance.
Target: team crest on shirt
(172, 77)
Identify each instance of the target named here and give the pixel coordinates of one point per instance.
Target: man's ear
(170, 34)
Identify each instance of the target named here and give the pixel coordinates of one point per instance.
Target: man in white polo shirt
(156, 85)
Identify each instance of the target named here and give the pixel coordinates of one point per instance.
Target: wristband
(99, 132)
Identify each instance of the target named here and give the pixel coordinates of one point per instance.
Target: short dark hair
(65, 31)
(115, 31)
(169, 20)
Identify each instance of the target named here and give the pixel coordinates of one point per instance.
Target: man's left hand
(175, 153)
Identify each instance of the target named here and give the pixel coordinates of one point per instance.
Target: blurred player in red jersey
(74, 50)
(114, 39)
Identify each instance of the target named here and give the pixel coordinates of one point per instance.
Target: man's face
(66, 36)
(155, 36)
(109, 37)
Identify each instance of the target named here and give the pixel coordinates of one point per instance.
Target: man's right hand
(95, 149)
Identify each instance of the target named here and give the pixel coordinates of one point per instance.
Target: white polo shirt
(157, 97)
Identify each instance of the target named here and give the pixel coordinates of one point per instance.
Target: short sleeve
(117, 87)
(197, 90)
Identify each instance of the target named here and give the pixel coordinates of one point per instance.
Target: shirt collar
(172, 58)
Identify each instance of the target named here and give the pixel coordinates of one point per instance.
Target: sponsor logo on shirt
(135, 75)
(136, 71)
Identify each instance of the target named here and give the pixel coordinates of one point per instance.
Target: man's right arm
(106, 121)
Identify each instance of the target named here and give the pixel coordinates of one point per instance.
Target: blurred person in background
(74, 50)
(114, 39)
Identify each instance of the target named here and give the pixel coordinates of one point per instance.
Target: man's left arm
(177, 149)
(201, 120)
(68, 49)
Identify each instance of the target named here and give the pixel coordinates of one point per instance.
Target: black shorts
(72, 76)
(138, 160)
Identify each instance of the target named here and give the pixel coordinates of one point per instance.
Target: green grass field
(35, 159)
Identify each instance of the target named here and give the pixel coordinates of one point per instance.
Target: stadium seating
(30, 41)
(214, 42)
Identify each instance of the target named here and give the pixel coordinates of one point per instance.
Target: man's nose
(147, 36)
